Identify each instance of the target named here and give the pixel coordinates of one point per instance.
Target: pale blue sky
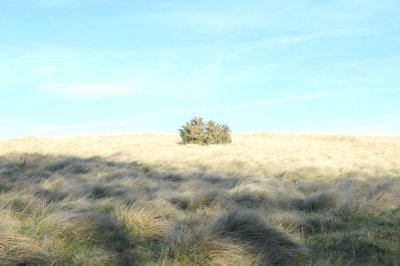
(87, 67)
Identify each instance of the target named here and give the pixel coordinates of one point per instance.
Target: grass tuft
(274, 247)
(18, 250)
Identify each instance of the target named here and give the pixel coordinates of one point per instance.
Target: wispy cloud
(132, 125)
(213, 17)
(247, 105)
(46, 69)
(377, 127)
(283, 100)
(96, 90)
(139, 122)
(88, 91)
(74, 81)
(58, 3)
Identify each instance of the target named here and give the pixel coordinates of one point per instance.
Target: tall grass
(147, 200)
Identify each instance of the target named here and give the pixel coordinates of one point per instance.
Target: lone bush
(198, 132)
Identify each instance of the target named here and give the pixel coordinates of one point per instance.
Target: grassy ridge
(146, 200)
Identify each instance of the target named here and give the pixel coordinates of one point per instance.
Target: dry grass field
(147, 200)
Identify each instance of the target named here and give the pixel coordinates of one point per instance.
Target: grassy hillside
(146, 200)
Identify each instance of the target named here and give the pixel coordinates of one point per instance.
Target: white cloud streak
(88, 91)
(139, 123)
(58, 3)
(282, 100)
(125, 86)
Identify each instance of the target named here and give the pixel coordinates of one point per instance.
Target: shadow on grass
(71, 186)
(97, 178)
(72, 189)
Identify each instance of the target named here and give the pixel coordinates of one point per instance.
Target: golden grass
(255, 156)
(145, 221)
(17, 250)
(147, 200)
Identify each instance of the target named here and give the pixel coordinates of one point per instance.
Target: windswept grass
(147, 200)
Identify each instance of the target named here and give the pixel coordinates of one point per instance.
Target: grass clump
(352, 249)
(18, 250)
(272, 246)
(197, 241)
(83, 237)
(199, 132)
(144, 223)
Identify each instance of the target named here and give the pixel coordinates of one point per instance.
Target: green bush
(198, 132)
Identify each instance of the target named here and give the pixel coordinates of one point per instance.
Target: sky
(96, 67)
